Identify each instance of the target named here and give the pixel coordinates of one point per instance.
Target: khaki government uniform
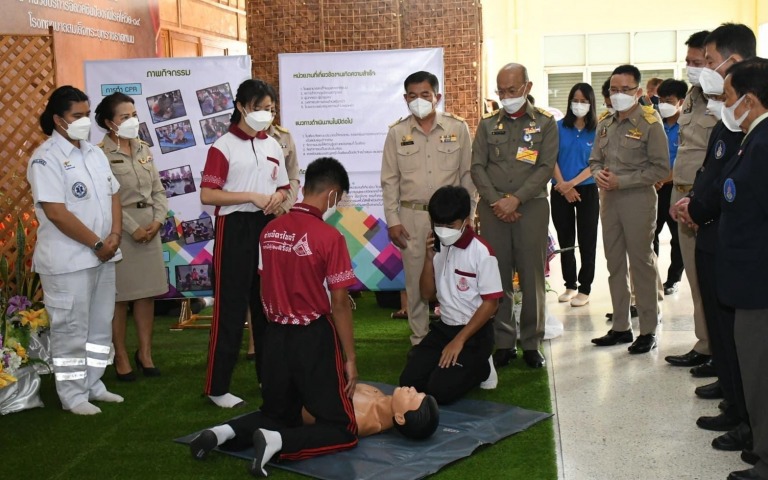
(284, 138)
(636, 151)
(517, 157)
(141, 273)
(414, 165)
(695, 128)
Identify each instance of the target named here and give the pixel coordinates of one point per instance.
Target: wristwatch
(97, 246)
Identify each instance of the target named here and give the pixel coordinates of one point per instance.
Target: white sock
(223, 433)
(226, 401)
(85, 408)
(273, 443)
(493, 378)
(108, 397)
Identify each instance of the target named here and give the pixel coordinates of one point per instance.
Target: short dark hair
(606, 88)
(449, 204)
(591, 119)
(696, 40)
(750, 76)
(59, 103)
(325, 172)
(422, 422)
(249, 92)
(105, 110)
(733, 38)
(422, 76)
(627, 70)
(670, 86)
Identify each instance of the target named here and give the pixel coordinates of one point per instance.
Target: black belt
(142, 205)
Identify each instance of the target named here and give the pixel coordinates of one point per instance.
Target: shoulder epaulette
(649, 114)
(142, 142)
(100, 144)
(543, 112)
(603, 116)
(491, 114)
(281, 129)
(397, 121)
(453, 115)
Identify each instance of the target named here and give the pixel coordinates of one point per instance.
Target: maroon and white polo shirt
(238, 162)
(466, 273)
(299, 256)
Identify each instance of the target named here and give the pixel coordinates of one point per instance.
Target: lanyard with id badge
(526, 153)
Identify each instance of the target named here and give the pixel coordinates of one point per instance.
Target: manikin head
(415, 414)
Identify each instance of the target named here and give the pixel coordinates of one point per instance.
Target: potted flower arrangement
(23, 321)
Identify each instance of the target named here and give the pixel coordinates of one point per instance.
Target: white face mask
(693, 75)
(259, 120)
(512, 105)
(331, 208)
(623, 102)
(79, 129)
(421, 108)
(715, 107)
(729, 119)
(579, 109)
(448, 236)
(129, 128)
(666, 110)
(712, 83)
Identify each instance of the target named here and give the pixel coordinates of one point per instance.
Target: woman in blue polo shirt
(576, 205)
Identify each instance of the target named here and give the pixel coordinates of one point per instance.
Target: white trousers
(80, 307)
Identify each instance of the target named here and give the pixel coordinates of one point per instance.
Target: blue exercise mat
(464, 426)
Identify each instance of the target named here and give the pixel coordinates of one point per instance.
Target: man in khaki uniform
(284, 138)
(696, 125)
(422, 152)
(513, 158)
(629, 156)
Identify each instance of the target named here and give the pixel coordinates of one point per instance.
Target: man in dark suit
(743, 231)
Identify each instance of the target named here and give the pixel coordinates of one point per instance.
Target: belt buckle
(141, 205)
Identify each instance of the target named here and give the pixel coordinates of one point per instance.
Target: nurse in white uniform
(77, 205)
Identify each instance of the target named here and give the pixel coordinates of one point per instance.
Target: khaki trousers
(687, 238)
(629, 221)
(519, 247)
(416, 222)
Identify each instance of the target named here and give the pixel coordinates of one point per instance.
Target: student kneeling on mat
(463, 273)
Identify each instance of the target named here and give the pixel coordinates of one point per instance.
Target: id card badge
(527, 155)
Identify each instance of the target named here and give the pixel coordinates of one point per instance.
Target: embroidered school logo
(729, 190)
(79, 190)
(68, 165)
(302, 247)
(463, 285)
(719, 149)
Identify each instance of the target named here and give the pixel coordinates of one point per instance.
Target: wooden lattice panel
(27, 80)
(300, 26)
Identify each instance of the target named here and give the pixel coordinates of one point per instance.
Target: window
(560, 85)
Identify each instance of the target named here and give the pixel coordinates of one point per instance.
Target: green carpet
(133, 440)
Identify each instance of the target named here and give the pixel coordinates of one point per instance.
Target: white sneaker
(493, 379)
(567, 295)
(580, 300)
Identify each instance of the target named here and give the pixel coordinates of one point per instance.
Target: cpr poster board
(183, 104)
(341, 104)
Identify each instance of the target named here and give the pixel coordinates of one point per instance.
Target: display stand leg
(187, 319)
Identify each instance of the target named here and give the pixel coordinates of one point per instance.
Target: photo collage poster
(184, 105)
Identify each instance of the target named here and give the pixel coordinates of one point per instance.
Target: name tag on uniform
(634, 134)
(499, 130)
(449, 138)
(532, 130)
(117, 161)
(527, 155)
(407, 140)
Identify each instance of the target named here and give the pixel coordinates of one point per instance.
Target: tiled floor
(621, 416)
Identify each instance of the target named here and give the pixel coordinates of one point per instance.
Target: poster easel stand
(187, 319)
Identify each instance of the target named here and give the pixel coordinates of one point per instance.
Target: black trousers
(448, 384)
(675, 270)
(237, 288)
(572, 219)
(720, 322)
(305, 369)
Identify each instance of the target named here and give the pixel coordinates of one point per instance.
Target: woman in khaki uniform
(141, 275)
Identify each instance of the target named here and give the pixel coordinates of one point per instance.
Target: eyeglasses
(510, 91)
(624, 90)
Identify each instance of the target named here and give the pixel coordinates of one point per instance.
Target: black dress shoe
(643, 344)
(125, 377)
(739, 438)
(504, 356)
(750, 474)
(718, 423)
(534, 358)
(613, 337)
(750, 457)
(704, 370)
(670, 288)
(147, 371)
(690, 359)
(710, 391)
(724, 405)
(632, 313)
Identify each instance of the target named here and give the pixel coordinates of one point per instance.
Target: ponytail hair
(59, 103)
